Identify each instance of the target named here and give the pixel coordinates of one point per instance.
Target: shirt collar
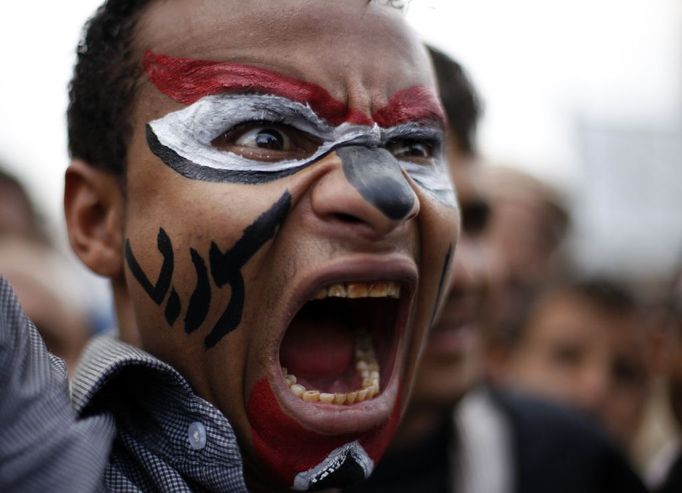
(156, 406)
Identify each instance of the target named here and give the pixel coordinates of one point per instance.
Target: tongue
(319, 349)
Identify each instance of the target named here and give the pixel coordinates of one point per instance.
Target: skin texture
(330, 231)
(580, 354)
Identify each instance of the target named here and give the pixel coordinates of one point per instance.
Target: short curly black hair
(105, 79)
(103, 87)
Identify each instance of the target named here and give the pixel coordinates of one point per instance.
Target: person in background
(18, 216)
(584, 343)
(41, 278)
(44, 284)
(459, 435)
(524, 203)
(526, 235)
(672, 482)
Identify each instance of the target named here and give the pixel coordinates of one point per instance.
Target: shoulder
(168, 438)
(555, 446)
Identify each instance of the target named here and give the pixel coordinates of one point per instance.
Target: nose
(594, 384)
(367, 192)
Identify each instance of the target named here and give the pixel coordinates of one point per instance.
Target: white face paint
(184, 140)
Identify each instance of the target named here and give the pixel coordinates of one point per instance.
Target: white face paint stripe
(183, 140)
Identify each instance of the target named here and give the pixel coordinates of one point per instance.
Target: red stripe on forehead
(187, 80)
(410, 105)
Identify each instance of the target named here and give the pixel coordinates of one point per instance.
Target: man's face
(289, 222)
(585, 355)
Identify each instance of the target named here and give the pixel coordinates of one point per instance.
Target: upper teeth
(377, 289)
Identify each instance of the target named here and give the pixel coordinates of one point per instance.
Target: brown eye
(265, 141)
(265, 138)
(418, 151)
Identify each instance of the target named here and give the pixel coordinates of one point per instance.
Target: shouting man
(264, 184)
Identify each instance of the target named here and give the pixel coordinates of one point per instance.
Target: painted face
(289, 224)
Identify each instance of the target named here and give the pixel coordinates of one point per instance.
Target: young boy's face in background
(289, 222)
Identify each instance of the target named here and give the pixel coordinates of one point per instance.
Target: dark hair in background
(460, 100)
(105, 78)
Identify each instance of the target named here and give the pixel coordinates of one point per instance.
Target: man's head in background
(583, 343)
(44, 284)
(451, 361)
(522, 202)
(18, 216)
(271, 205)
(672, 354)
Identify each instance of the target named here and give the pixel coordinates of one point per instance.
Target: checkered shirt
(43, 446)
(168, 438)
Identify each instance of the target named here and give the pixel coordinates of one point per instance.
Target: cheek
(189, 258)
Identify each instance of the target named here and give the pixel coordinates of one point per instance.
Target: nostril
(347, 218)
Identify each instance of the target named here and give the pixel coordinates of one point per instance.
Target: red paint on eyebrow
(187, 80)
(415, 103)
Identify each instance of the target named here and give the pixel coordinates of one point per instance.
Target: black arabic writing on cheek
(226, 267)
(157, 292)
(225, 270)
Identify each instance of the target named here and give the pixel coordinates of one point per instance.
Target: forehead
(358, 51)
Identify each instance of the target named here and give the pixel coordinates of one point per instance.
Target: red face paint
(187, 80)
(410, 105)
(288, 449)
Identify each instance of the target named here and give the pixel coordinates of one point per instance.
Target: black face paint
(200, 300)
(226, 267)
(173, 308)
(377, 175)
(441, 283)
(156, 292)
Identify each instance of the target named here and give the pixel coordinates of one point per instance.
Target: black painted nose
(377, 175)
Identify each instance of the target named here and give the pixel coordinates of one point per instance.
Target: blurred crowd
(521, 336)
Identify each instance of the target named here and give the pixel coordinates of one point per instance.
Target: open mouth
(340, 348)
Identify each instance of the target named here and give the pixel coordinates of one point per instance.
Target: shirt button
(197, 435)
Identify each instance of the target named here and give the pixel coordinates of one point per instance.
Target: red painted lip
(330, 419)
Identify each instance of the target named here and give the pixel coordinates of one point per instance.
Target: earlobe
(93, 206)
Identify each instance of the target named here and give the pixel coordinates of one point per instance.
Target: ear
(93, 205)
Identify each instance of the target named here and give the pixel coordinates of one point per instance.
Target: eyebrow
(186, 80)
(415, 103)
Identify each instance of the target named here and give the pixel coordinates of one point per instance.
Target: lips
(334, 376)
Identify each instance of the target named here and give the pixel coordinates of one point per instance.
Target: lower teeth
(366, 365)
